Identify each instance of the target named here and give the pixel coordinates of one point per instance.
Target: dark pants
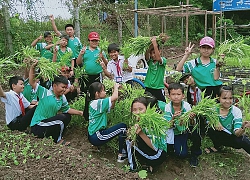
(221, 138)
(212, 91)
(157, 93)
(70, 96)
(53, 127)
(21, 123)
(181, 147)
(87, 80)
(144, 154)
(103, 136)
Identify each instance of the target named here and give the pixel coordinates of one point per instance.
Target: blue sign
(230, 5)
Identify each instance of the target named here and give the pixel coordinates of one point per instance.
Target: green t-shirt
(28, 92)
(75, 45)
(44, 52)
(233, 120)
(169, 112)
(98, 114)
(48, 105)
(203, 74)
(155, 74)
(62, 54)
(90, 61)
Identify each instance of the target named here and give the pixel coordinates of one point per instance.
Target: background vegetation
(23, 31)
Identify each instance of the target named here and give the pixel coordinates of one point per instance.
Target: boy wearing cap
(204, 69)
(89, 56)
(46, 53)
(117, 68)
(74, 42)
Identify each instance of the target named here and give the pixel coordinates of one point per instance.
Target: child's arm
(106, 72)
(188, 51)
(51, 17)
(32, 79)
(75, 112)
(103, 59)
(114, 96)
(147, 53)
(217, 69)
(80, 56)
(144, 137)
(49, 46)
(157, 52)
(126, 67)
(54, 54)
(2, 93)
(33, 44)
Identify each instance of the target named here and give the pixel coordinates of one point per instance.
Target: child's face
(152, 54)
(59, 88)
(101, 94)
(176, 96)
(189, 81)
(114, 54)
(138, 108)
(48, 39)
(70, 31)
(65, 74)
(64, 42)
(226, 99)
(18, 88)
(206, 51)
(93, 43)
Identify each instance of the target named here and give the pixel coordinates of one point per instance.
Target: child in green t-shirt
(205, 70)
(230, 131)
(154, 81)
(145, 151)
(172, 112)
(96, 107)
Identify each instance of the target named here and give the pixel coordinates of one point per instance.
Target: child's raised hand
(40, 37)
(51, 17)
(189, 49)
(103, 65)
(176, 114)
(83, 50)
(116, 86)
(153, 39)
(35, 61)
(55, 50)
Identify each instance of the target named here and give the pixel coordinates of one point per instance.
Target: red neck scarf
(21, 104)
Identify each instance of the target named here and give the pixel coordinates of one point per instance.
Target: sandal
(64, 142)
(210, 150)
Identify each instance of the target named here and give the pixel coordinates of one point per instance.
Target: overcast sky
(54, 7)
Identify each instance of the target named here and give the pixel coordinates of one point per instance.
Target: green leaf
(143, 174)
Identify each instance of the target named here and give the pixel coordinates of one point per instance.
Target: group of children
(50, 116)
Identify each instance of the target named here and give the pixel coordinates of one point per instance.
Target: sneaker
(194, 161)
(122, 158)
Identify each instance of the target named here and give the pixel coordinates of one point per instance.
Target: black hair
(46, 34)
(60, 79)
(64, 36)
(225, 88)
(14, 80)
(113, 47)
(142, 100)
(69, 25)
(150, 101)
(93, 88)
(175, 86)
(184, 76)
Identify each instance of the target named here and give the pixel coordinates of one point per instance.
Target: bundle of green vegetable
(207, 107)
(103, 45)
(6, 65)
(138, 45)
(48, 69)
(155, 125)
(237, 53)
(29, 54)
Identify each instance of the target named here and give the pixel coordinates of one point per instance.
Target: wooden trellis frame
(180, 11)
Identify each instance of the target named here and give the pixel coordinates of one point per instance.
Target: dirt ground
(81, 160)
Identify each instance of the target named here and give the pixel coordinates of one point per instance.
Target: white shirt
(111, 68)
(12, 107)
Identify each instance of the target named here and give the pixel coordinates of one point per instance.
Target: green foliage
(143, 174)
(79, 104)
